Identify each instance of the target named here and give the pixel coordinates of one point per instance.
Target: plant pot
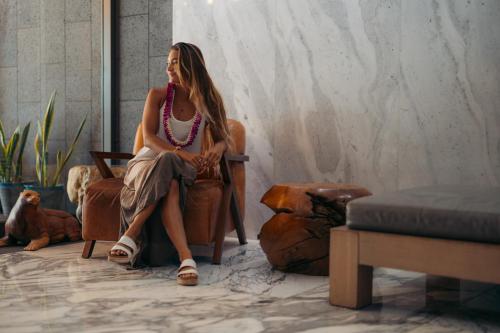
(50, 197)
(9, 192)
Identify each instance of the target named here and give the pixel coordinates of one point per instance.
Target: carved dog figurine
(28, 222)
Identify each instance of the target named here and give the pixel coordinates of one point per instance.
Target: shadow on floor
(11, 249)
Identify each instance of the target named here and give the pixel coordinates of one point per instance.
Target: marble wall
(48, 45)
(387, 94)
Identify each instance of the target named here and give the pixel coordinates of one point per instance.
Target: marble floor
(55, 290)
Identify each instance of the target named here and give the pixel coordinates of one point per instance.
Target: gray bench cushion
(456, 212)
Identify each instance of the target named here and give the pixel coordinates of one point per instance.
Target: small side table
(297, 238)
(3, 219)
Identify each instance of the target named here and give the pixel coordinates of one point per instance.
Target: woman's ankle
(185, 255)
(131, 234)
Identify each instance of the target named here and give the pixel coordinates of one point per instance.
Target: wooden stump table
(297, 238)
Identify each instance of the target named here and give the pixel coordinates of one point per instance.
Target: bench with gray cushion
(451, 231)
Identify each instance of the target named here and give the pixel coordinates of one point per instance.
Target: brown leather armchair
(215, 205)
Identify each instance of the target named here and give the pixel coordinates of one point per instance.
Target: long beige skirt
(147, 182)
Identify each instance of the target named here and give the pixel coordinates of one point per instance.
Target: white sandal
(187, 281)
(127, 245)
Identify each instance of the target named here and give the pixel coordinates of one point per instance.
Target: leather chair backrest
(236, 130)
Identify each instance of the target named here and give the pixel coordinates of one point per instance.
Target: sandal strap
(122, 248)
(187, 271)
(126, 240)
(187, 263)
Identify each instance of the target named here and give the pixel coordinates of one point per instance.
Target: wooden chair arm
(224, 165)
(99, 156)
(237, 158)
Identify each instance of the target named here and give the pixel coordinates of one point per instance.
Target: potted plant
(11, 166)
(51, 192)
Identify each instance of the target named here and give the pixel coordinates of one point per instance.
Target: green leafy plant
(8, 146)
(42, 151)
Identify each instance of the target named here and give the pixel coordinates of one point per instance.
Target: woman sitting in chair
(173, 123)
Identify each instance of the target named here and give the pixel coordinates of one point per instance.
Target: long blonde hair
(194, 77)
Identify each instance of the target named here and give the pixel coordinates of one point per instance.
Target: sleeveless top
(180, 130)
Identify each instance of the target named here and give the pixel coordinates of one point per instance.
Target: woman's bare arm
(150, 122)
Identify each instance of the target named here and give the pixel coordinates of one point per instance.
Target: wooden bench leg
(88, 248)
(435, 284)
(350, 282)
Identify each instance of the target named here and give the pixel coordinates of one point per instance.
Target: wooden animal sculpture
(28, 222)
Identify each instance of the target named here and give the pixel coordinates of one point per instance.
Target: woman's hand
(213, 155)
(194, 159)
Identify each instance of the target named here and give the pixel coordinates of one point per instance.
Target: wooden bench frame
(354, 253)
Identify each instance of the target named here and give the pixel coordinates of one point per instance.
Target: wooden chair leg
(229, 201)
(88, 248)
(220, 228)
(237, 219)
(233, 198)
(217, 255)
(350, 282)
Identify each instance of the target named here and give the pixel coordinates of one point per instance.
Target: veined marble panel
(386, 94)
(336, 106)
(239, 49)
(450, 94)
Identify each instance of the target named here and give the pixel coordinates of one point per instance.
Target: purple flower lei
(167, 112)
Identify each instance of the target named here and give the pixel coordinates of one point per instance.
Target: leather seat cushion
(457, 212)
(101, 210)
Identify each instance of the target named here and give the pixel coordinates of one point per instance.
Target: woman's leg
(172, 220)
(134, 230)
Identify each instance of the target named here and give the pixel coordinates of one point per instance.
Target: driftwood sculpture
(31, 224)
(297, 238)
